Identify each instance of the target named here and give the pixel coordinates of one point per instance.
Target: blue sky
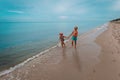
(58, 10)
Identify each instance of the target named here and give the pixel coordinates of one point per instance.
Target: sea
(20, 41)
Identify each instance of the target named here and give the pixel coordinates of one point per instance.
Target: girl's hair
(60, 33)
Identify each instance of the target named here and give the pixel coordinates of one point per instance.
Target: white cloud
(63, 17)
(15, 11)
(61, 7)
(72, 7)
(116, 5)
(81, 10)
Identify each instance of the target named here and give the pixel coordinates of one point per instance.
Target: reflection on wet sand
(71, 58)
(64, 52)
(76, 58)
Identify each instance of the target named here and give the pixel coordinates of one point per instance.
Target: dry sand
(97, 57)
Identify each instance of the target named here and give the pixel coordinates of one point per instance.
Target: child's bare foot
(75, 47)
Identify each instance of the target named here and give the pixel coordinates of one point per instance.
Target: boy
(74, 35)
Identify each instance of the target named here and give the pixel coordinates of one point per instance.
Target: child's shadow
(76, 58)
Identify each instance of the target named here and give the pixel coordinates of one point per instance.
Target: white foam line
(103, 28)
(23, 63)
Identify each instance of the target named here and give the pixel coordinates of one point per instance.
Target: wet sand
(97, 57)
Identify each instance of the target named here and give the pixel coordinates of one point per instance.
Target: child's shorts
(74, 38)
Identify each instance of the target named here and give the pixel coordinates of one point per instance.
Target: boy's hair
(75, 27)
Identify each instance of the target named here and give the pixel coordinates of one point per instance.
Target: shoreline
(4, 72)
(9, 71)
(108, 68)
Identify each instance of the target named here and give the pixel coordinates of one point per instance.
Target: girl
(62, 38)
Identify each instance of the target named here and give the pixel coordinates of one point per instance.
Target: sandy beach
(97, 57)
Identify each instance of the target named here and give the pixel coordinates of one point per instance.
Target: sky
(58, 10)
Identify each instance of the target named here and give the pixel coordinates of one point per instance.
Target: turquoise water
(19, 41)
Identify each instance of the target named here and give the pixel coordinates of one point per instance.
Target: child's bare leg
(75, 43)
(62, 44)
(72, 42)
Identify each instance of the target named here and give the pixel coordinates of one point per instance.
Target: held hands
(67, 37)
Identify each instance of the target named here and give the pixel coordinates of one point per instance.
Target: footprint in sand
(113, 60)
(119, 74)
(112, 52)
(94, 70)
